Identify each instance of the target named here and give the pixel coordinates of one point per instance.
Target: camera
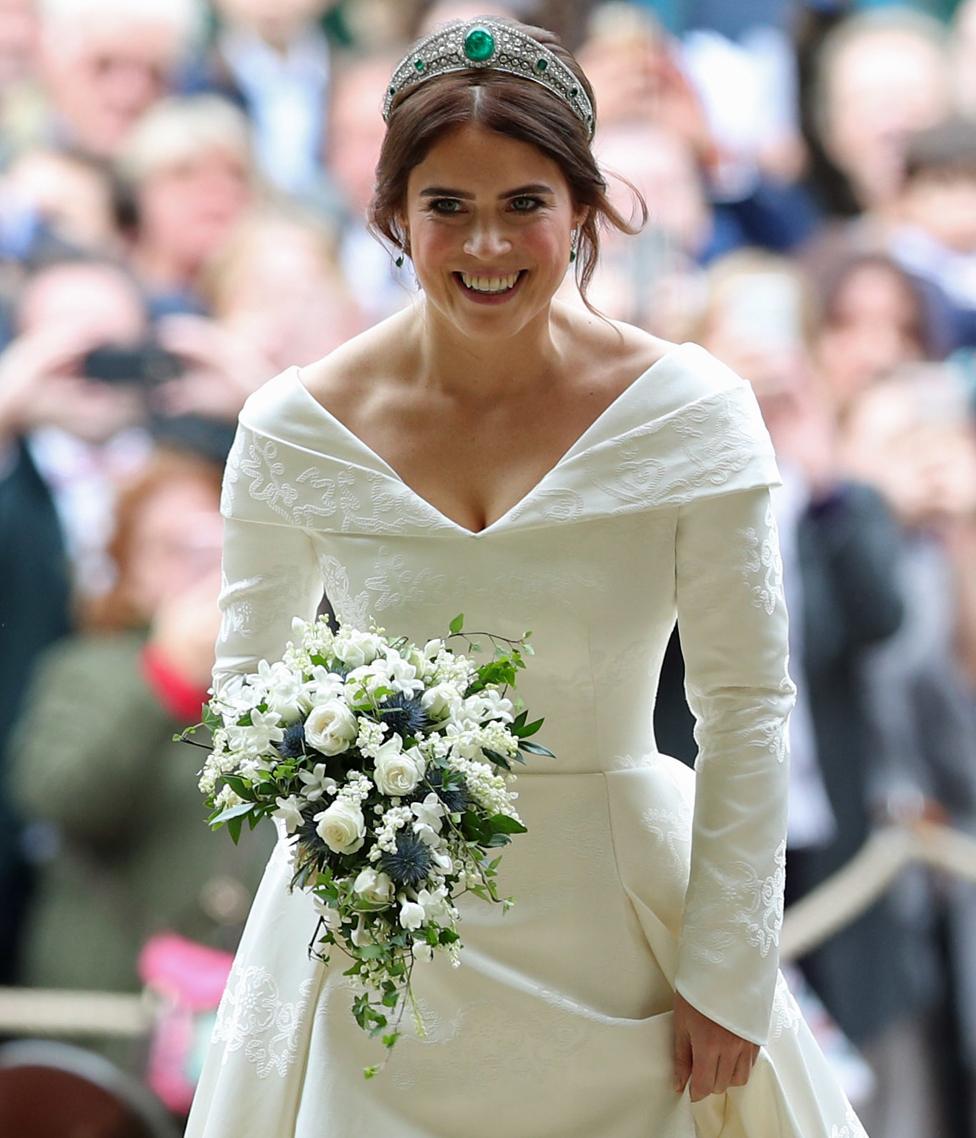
(135, 365)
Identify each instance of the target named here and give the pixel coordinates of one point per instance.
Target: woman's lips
(489, 297)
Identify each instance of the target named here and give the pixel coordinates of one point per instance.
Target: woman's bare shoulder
(600, 344)
(352, 370)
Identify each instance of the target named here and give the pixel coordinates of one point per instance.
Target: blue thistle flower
(455, 795)
(293, 744)
(410, 864)
(404, 715)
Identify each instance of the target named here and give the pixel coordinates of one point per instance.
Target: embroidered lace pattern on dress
(254, 1019)
(763, 569)
(739, 898)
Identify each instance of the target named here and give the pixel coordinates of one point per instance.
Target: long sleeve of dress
(270, 576)
(733, 625)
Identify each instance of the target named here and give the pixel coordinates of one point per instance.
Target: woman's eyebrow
(447, 192)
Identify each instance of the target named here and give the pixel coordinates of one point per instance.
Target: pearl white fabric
(558, 1022)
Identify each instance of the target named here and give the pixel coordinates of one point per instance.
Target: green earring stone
(479, 45)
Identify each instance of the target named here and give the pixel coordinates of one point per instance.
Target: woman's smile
(489, 288)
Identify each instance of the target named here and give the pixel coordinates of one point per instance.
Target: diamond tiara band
(486, 44)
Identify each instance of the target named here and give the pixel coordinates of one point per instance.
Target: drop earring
(572, 246)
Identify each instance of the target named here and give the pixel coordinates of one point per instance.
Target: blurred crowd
(182, 214)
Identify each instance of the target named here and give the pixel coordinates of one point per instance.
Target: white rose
(331, 727)
(373, 886)
(341, 826)
(411, 914)
(356, 648)
(397, 773)
(441, 701)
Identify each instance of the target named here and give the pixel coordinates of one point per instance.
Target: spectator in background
(355, 133)
(18, 41)
(273, 57)
(933, 228)
(873, 319)
(189, 164)
(277, 296)
(641, 74)
(911, 435)
(103, 64)
(880, 76)
(652, 280)
(279, 287)
(63, 441)
(52, 196)
(128, 855)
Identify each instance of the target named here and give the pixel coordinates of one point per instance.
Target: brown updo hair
(510, 105)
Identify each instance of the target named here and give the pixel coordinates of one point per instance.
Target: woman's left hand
(711, 1056)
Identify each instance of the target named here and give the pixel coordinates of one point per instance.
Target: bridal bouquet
(389, 765)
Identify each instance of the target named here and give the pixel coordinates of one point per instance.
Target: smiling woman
(505, 104)
(494, 450)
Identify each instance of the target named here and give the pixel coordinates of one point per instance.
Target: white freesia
(373, 886)
(331, 727)
(494, 705)
(317, 783)
(411, 915)
(428, 813)
(283, 689)
(258, 738)
(435, 904)
(397, 772)
(290, 812)
(322, 685)
(341, 826)
(403, 674)
(441, 701)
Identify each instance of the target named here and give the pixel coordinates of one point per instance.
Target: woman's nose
(486, 240)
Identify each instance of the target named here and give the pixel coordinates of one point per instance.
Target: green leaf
(370, 1072)
(390, 1000)
(457, 624)
(535, 748)
(496, 758)
(230, 813)
(389, 1040)
(503, 824)
(523, 729)
(234, 829)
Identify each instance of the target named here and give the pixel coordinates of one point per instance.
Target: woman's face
(175, 542)
(871, 330)
(489, 222)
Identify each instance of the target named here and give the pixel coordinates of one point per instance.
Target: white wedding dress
(628, 883)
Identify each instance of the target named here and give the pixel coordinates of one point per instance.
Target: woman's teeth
(489, 284)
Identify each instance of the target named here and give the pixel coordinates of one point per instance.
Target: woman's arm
(733, 624)
(270, 576)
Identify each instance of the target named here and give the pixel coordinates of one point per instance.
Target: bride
(494, 450)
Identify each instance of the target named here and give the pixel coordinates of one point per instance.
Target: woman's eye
(445, 205)
(526, 204)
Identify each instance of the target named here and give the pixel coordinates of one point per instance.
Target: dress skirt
(556, 1024)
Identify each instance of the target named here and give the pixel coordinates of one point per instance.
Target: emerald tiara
(487, 44)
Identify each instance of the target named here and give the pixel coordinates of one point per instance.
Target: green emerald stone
(419, 64)
(479, 45)
(541, 64)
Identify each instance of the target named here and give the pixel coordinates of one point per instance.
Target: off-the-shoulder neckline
(294, 373)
